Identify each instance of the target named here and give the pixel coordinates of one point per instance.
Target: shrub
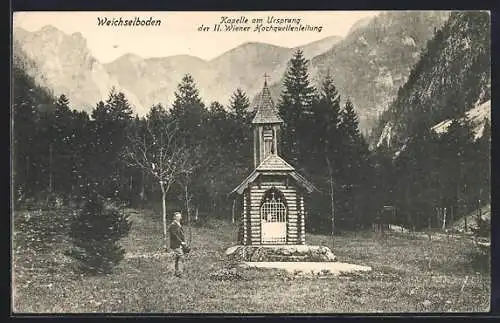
(482, 228)
(480, 257)
(95, 233)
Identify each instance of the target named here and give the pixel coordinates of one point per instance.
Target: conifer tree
(95, 234)
(188, 110)
(239, 105)
(112, 120)
(62, 146)
(324, 128)
(240, 119)
(458, 149)
(349, 125)
(296, 102)
(27, 96)
(354, 165)
(323, 143)
(482, 158)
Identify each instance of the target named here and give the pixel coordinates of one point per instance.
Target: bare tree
(332, 197)
(156, 150)
(191, 160)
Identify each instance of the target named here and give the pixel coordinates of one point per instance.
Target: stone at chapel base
(281, 253)
(308, 268)
(231, 250)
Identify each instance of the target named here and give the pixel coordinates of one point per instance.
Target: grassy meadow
(410, 274)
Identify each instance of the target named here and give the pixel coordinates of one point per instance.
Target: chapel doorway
(273, 214)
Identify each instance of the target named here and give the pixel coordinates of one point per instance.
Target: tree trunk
(164, 209)
(27, 170)
(465, 223)
(27, 182)
(480, 212)
(444, 219)
(188, 216)
(186, 196)
(51, 176)
(143, 187)
(332, 200)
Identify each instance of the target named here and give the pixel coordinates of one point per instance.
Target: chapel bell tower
(266, 128)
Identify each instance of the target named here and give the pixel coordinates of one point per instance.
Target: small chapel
(273, 195)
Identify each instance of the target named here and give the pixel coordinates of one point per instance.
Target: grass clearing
(409, 275)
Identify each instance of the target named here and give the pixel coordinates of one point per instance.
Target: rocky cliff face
(64, 64)
(452, 78)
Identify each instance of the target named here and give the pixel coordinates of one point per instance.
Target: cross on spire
(266, 76)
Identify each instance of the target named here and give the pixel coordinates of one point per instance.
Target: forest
(194, 153)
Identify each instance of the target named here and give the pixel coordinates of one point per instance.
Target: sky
(178, 32)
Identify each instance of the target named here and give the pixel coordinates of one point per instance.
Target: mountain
(477, 116)
(359, 24)
(245, 65)
(375, 59)
(153, 80)
(452, 79)
(64, 64)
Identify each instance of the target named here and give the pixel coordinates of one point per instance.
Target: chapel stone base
(280, 253)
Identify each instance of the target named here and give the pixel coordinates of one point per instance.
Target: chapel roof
(266, 111)
(274, 162)
(275, 165)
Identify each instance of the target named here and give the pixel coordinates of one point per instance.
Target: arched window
(273, 207)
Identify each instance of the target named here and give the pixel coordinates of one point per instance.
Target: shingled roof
(256, 173)
(266, 111)
(275, 162)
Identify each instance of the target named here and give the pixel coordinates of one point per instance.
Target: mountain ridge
(151, 80)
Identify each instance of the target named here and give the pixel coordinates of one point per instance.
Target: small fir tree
(95, 233)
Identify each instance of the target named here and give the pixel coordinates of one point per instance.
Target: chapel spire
(266, 111)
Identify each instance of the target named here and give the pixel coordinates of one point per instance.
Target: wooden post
(245, 218)
(302, 221)
(255, 153)
(261, 147)
(275, 141)
(232, 211)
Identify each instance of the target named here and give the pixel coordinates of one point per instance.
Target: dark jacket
(176, 235)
